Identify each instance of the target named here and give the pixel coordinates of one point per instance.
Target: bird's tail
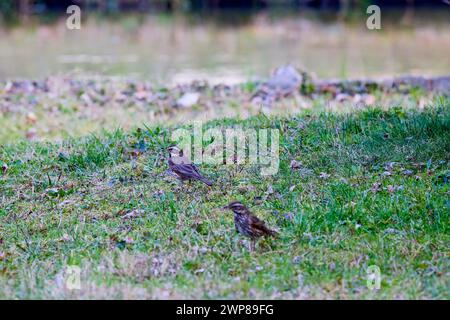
(272, 233)
(206, 181)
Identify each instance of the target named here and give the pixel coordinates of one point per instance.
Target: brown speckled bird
(248, 224)
(183, 168)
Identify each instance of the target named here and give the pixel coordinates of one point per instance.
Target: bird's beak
(225, 207)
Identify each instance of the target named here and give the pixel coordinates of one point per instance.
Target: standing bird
(248, 224)
(183, 168)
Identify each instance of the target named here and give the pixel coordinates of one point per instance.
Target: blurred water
(228, 47)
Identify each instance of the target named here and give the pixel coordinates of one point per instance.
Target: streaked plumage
(248, 224)
(183, 168)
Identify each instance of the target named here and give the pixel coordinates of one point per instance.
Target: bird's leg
(252, 245)
(179, 185)
(189, 185)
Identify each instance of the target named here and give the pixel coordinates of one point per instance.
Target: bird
(248, 224)
(183, 168)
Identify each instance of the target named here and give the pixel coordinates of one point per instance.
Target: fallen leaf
(31, 133)
(158, 194)
(341, 97)
(128, 240)
(31, 118)
(65, 202)
(289, 216)
(188, 99)
(257, 200)
(375, 187)
(295, 164)
(87, 99)
(199, 271)
(141, 95)
(369, 99)
(324, 175)
(242, 189)
(132, 214)
(120, 97)
(269, 190)
(389, 166)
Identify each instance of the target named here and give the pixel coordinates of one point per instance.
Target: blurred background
(177, 41)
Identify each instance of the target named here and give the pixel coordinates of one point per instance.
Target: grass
(88, 106)
(371, 189)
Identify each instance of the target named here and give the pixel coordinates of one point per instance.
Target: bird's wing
(187, 170)
(259, 226)
(195, 169)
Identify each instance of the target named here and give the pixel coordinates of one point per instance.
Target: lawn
(355, 189)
